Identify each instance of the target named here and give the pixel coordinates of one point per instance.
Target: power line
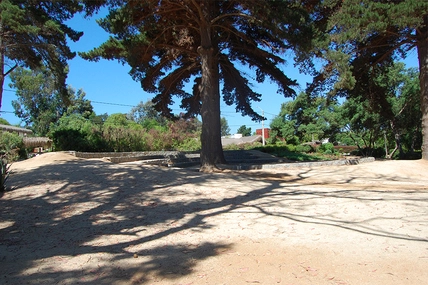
(270, 113)
(115, 104)
(245, 124)
(97, 102)
(126, 105)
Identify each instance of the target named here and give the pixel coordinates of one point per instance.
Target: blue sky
(111, 89)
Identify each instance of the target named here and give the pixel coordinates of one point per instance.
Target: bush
(75, 132)
(378, 152)
(122, 139)
(4, 168)
(291, 147)
(69, 140)
(190, 144)
(12, 146)
(306, 148)
(326, 147)
(345, 148)
(293, 140)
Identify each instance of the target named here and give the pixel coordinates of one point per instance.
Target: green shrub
(190, 144)
(326, 147)
(253, 145)
(304, 148)
(231, 147)
(291, 147)
(11, 145)
(75, 132)
(69, 140)
(293, 140)
(345, 148)
(4, 168)
(378, 152)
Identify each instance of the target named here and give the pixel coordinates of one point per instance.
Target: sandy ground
(74, 221)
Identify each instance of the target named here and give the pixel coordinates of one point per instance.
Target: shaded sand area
(75, 221)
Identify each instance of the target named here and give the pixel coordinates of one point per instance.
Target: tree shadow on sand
(120, 223)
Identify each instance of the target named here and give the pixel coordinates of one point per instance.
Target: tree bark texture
(212, 150)
(1, 63)
(422, 38)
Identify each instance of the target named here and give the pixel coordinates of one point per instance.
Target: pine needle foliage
(170, 44)
(361, 39)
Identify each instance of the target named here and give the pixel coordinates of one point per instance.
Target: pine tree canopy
(33, 34)
(170, 43)
(379, 31)
(361, 41)
(160, 41)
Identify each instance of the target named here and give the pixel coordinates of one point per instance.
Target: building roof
(15, 129)
(241, 140)
(36, 141)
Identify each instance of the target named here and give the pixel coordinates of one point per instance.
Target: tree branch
(234, 14)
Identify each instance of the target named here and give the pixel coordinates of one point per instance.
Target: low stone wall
(183, 159)
(301, 164)
(117, 154)
(119, 157)
(149, 159)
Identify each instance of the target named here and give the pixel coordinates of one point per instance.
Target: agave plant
(4, 167)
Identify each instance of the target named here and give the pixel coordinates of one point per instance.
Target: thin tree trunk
(414, 139)
(393, 151)
(211, 148)
(1, 63)
(397, 139)
(356, 143)
(385, 140)
(1, 78)
(422, 38)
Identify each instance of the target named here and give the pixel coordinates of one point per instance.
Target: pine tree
(33, 34)
(366, 36)
(169, 43)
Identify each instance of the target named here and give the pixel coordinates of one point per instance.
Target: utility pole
(263, 127)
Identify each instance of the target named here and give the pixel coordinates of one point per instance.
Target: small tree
(244, 131)
(146, 115)
(225, 130)
(307, 118)
(39, 103)
(75, 132)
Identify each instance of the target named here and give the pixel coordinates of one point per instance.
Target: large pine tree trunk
(422, 37)
(211, 151)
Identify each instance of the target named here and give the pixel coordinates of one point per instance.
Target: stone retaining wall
(121, 154)
(300, 164)
(183, 159)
